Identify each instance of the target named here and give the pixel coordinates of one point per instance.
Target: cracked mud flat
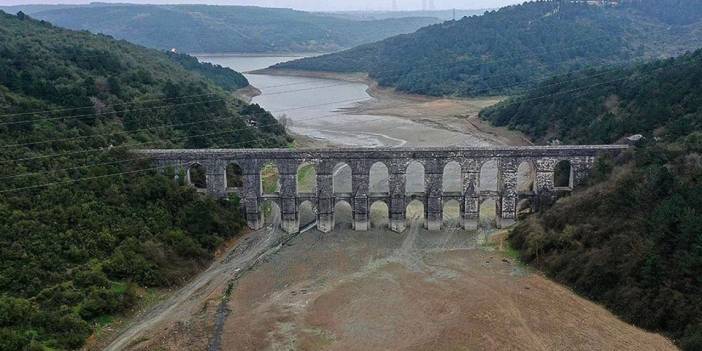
(381, 290)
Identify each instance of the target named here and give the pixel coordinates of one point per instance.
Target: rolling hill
(508, 50)
(632, 240)
(225, 29)
(85, 227)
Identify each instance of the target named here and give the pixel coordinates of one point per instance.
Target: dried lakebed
(375, 290)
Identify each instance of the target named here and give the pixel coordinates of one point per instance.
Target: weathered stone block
(251, 161)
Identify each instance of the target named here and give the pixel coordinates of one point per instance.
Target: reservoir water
(315, 108)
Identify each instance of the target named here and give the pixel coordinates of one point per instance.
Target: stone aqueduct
(542, 160)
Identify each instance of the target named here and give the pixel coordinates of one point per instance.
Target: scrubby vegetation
(225, 77)
(214, 29)
(633, 240)
(83, 223)
(658, 100)
(512, 49)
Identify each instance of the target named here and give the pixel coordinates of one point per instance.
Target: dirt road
(203, 291)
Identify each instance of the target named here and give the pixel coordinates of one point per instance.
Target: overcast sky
(310, 5)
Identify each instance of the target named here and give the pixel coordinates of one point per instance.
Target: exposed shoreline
(453, 114)
(247, 93)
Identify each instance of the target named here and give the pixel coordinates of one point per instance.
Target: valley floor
(381, 290)
(453, 114)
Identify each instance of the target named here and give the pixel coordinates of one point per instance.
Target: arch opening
(306, 178)
(342, 179)
(343, 214)
(452, 214)
(270, 179)
(379, 178)
(414, 178)
(379, 215)
(234, 176)
(415, 212)
(452, 178)
(306, 213)
(525, 177)
(270, 212)
(488, 214)
(488, 176)
(563, 175)
(197, 176)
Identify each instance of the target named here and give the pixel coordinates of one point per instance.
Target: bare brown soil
(420, 291)
(380, 290)
(247, 93)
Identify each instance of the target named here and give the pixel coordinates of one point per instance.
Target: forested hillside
(86, 227)
(509, 50)
(633, 240)
(443, 15)
(227, 29)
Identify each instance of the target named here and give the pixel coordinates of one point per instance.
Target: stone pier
(542, 162)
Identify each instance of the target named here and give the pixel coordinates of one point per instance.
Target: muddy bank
(247, 93)
(453, 114)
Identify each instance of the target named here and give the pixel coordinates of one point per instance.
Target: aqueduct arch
(329, 163)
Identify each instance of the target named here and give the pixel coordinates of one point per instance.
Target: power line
(111, 105)
(431, 66)
(304, 107)
(103, 149)
(131, 172)
(83, 116)
(356, 100)
(184, 137)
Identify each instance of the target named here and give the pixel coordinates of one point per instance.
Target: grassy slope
(71, 104)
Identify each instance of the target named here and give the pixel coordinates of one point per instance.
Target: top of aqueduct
(415, 152)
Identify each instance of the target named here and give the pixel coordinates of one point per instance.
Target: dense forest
(225, 29)
(633, 240)
(511, 49)
(86, 226)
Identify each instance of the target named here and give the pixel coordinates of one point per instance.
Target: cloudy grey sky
(314, 5)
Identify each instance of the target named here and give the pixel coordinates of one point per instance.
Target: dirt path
(207, 287)
(380, 290)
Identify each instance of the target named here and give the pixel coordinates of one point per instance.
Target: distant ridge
(223, 29)
(509, 50)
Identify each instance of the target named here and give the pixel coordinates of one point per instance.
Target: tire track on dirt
(222, 310)
(242, 258)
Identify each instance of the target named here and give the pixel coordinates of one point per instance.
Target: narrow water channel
(315, 106)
